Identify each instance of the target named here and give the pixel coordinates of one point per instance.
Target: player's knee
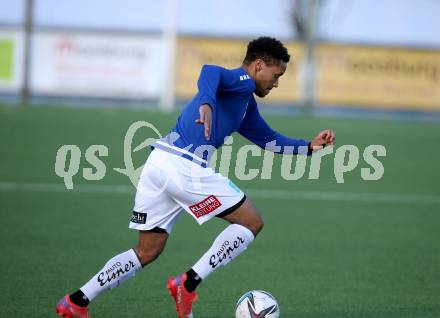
(255, 225)
(147, 254)
(248, 216)
(258, 225)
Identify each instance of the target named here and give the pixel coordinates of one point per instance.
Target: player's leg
(246, 215)
(246, 223)
(205, 194)
(116, 271)
(153, 216)
(122, 266)
(151, 244)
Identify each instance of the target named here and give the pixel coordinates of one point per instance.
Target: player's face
(266, 76)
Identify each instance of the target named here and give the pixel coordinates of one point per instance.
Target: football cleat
(183, 299)
(67, 309)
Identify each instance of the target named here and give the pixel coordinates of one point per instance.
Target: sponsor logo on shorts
(138, 217)
(206, 206)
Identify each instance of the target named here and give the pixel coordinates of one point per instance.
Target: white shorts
(170, 184)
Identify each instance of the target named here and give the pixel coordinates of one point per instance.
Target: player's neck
(247, 68)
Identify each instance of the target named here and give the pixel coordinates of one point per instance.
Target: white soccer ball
(257, 304)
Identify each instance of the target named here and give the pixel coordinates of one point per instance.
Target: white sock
(116, 271)
(227, 246)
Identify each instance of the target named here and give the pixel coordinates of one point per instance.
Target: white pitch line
(345, 196)
(256, 193)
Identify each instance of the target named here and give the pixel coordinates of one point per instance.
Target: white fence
(84, 64)
(97, 65)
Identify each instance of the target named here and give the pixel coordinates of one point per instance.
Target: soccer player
(176, 177)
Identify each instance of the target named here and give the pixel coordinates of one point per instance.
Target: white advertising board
(11, 60)
(94, 65)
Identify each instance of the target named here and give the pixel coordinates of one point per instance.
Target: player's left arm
(324, 138)
(256, 129)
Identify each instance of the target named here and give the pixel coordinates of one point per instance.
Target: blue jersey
(234, 109)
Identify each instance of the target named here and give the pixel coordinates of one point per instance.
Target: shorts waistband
(188, 156)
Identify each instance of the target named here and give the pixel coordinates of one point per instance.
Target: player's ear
(258, 65)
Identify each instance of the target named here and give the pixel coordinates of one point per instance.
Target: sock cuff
(245, 230)
(136, 258)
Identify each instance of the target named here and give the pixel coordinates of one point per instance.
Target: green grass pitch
(374, 252)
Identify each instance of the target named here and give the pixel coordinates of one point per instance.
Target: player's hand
(324, 138)
(205, 119)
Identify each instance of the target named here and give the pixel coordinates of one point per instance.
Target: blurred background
(380, 57)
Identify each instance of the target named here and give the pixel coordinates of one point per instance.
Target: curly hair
(270, 50)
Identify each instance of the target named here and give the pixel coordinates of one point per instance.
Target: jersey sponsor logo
(206, 206)
(138, 217)
(244, 77)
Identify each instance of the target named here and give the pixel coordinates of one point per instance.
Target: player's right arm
(212, 79)
(215, 78)
(205, 119)
(208, 83)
